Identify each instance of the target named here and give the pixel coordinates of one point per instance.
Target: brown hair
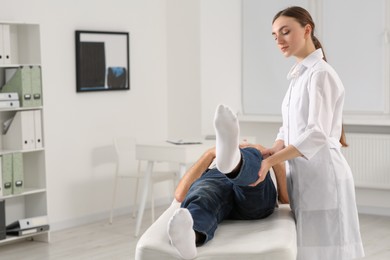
(303, 17)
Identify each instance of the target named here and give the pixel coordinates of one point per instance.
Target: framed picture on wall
(102, 61)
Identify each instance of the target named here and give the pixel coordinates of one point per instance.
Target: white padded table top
(270, 238)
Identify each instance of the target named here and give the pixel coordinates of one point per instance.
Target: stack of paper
(184, 141)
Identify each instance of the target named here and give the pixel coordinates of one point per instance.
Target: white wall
(76, 125)
(220, 22)
(183, 43)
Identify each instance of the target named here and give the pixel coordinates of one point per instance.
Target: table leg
(141, 206)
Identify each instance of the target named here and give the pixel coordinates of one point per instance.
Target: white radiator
(369, 158)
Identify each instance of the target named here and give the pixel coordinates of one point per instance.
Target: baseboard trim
(75, 222)
(374, 210)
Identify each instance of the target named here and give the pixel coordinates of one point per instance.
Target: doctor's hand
(278, 145)
(264, 169)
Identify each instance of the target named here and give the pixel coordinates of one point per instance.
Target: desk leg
(141, 206)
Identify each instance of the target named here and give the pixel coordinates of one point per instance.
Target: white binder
(29, 231)
(24, 132)
(21, 133)
(29, 223)
(5, 44)
(38, 129)
(9, 104)
(9, 96)
(1, 45)
(1, 178)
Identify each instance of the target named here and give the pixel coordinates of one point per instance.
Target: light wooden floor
(101, 240)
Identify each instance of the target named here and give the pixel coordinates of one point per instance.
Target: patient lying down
(209, 195)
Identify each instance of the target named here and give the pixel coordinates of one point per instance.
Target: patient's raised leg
(227, 132)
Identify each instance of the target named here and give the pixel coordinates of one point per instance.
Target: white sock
(181, 233)
(227, 131)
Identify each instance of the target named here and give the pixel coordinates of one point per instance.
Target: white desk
(165, 152)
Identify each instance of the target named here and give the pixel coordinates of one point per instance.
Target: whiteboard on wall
(264, 68)
(353, 41)
(354, 44)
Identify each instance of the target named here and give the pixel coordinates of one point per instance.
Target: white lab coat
(320, 183)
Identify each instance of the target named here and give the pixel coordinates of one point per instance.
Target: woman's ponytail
(317, 44)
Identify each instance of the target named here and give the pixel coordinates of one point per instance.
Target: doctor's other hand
(267, 153)
(278, 146)
(264, 170)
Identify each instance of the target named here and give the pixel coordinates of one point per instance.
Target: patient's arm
(280, 174)
(194, 173)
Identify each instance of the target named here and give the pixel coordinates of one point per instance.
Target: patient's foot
(181, 233)
(227, 130)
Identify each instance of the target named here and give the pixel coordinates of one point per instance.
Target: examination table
(271, 238)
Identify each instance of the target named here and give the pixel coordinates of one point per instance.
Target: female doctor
(320, 183)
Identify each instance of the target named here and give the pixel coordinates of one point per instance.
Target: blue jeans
(215, 197)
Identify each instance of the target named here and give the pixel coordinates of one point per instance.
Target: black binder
(2, 220)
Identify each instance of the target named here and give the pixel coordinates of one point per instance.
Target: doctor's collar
(307, 62)
(312, 58)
